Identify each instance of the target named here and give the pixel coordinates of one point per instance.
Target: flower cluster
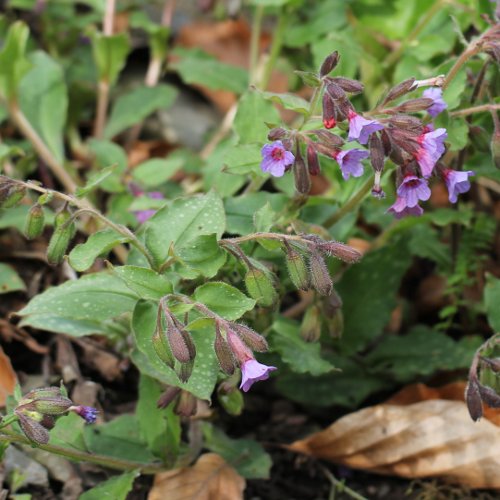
(414, 147)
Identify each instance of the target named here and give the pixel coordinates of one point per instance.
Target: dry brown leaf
(210, 478)
(430, 438)
(7, 377)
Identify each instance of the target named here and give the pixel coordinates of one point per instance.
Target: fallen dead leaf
(415, 438)
(210, 478)
(7, 377)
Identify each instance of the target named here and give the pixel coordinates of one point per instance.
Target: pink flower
(413, 189)
(253, 371)
(275, 159)
(360, 128)
(457, 182)
(431, 149)
(350, 162)
(436, 94)
(401, 209)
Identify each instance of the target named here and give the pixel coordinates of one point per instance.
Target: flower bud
(11, 194)
(179, 341)
(335, 325)
(276, 133)
(320, 276)
(312, 160)
(252, 339)
(492, 363)
(332, 304)
(376, 152)
(413, 105)
(348, 85)
(168, 396)
(260, 286)
(34, 222)
(301, 174)
(61, 237)
(489, 396)
(329, 64)
(335, 91)
(399, 90)
(186, 405)
(51, 406)
(297, 268)
(328, 111)
(406, 122)
(328, 138)
(33, 430)
(495, 148)
(310, 329)
(43, 392)
(473, 400)
(185, 371)
(240, 350)
(340, 250)
(223, 352)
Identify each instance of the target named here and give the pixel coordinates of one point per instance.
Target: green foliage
(110, 54)
(10, 280)
(116, 487)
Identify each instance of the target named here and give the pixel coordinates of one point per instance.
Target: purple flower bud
(413, 189)
(431, 148)
(253, 371)
(360, 128)
(275, 159)
(438, 105)
(88, 413)
(350, 162)
(457, 182)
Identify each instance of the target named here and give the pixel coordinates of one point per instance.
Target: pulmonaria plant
(390, 131)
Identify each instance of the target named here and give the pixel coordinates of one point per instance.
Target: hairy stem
(472, 50)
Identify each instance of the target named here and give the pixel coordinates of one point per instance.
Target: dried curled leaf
(210, 478)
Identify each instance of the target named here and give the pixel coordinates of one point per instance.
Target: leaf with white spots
(147, 284)
(9, 280)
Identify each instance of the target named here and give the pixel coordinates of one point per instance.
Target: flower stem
(275, 49)
(7, 420)
(472, 50)
(77, 455)
(475, 109)
(351, 204)
(255, 42)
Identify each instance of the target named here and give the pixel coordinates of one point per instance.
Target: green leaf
(146, 283)
(182, 221)
(94, 180)
(492, 301)
(100, 243)
(115, 488)
(264, 218)
(68, 432)
(246, 455)
(203, 254)
(110, 54)
(301, 356)
(80, 307)
(198, 67)
(254, 111)
(458, 133)
(43, 98)
(10, 280)
(368, 290)
(288, 101)
(206, 368)
(108, 153)
(156, 171)
(13, 62)
(224, 299)
(424, 242)
(135, 106)
(243, 159)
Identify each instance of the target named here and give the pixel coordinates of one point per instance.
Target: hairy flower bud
(376, 152)
(34, 222)
(489, 396)
(492, 363)
(297, 268)
(223, 352)
(320, 277)
(310, 329)
(252, 339)
(61, 237)
(185, 371)
(312, 160)
(329, 64)
(33, 430)
(473, 400)
(399, 90)
(332, 304)
(11, 193)
(348, 85)
(260, 286)
(340, 250)
(179, 340)
(328, 138)
(51, 406)
(161, 345)
(406, 122)
(328, 111)
(168, 396)
(413, 105)
(186, 405)
(276, 133)
(335, 91)
(301, 174)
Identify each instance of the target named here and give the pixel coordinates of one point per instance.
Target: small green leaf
(288, 101)
(137, 105)
(264, 218)
(156, 171)
(203, 254)
(116, 488)
(309, 78)
(492, 301)
(224, 299)
(10, 280)
(94, 180)
(108, 153)
(147, 284)
(98, 244)
(110, 54)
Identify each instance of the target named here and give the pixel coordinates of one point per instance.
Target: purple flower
(350, 162)
(413, 189)
(431, 149)
(457, 182)
(436, 94)
(143, 215)
(88, 413)
(401, 209)
(360, 128)
(253, 371)
(275, 159)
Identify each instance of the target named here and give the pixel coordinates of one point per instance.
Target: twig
(340, 486)
(475, 109)
(222, 131)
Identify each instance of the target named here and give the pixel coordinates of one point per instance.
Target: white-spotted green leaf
(146, 283)
(203, 254)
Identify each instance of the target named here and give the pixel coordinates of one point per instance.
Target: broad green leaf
(232, 401)
(106, 154)
(243, 159)
(264, 218)
(68, 432)
(224, 299)
(492, 301)
(80, 307)
(118, 438)
(288, 101)
(115, 488)
(196, 66)
(368, 290)
(425, 242)
(205, 371)
(10, 280)
(137, 105)
(43, 98)
(184, 220)
(455, 90)
(98, 244)
(203, 254)
(458, 133)
(110, 54)
(301, 356)
(246, 456)
(94, 180)
(156, 171)
(146, 283)
(13, 62)
(253, 113)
